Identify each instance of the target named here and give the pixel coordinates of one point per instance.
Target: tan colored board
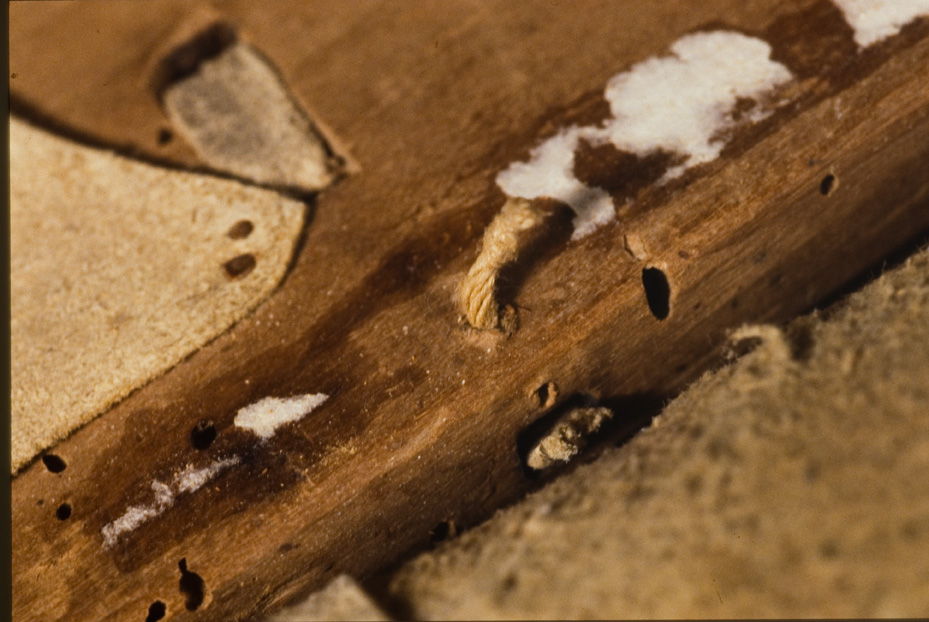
(425, 414)
(119, 270)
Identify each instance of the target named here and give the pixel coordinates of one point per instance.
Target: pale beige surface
(341, 599)
(793, 483)
(118, 272)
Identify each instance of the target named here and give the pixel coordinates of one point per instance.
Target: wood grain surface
(426, 415)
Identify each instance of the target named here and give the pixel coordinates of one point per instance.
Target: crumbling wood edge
(424, 413)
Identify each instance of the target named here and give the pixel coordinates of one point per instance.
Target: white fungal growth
(265, 416)
(188, 480)
(680, 104)
(191, 479)
(549, 173)
(133, 517)
(875, 20)
(164, 496)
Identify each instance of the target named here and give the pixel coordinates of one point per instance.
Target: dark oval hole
(240, 266)
(64, 511)
(547, 394)
(657, 292)
(241, 230)
(203, 435)
(165, 136)
(54, 463)
(828, 185)
(443, 531)
(192, 586)
(156, 611)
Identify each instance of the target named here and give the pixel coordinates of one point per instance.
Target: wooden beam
(425, 414)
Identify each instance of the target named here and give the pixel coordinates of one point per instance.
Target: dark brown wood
(425, 414)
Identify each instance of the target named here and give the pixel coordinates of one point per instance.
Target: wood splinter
(499, 247)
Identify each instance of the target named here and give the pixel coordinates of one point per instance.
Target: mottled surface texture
(241, 120)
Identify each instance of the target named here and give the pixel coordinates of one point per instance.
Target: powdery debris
(133, 517)
(191, 479)
(567, 437)
(550, 173)
(186, 481)
(265, 416)
(262, 418)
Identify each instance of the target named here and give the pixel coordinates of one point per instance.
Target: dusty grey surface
(119, 270)
(238, 115)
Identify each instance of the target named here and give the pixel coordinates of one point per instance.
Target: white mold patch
(191, 479)
(133, 517)
(682, 104)
(875, 20)
(186, 481)
(265, 416)
(262, 418)
(549, 173)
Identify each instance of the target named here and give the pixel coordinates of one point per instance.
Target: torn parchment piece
(341, 599)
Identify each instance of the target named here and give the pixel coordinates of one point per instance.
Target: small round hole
(64, 511)
(241, 230)
(828, 185)
(240, 266)
(657, 292)
(156, 611)
(54, 463)
(203, 435)
(165, 136)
